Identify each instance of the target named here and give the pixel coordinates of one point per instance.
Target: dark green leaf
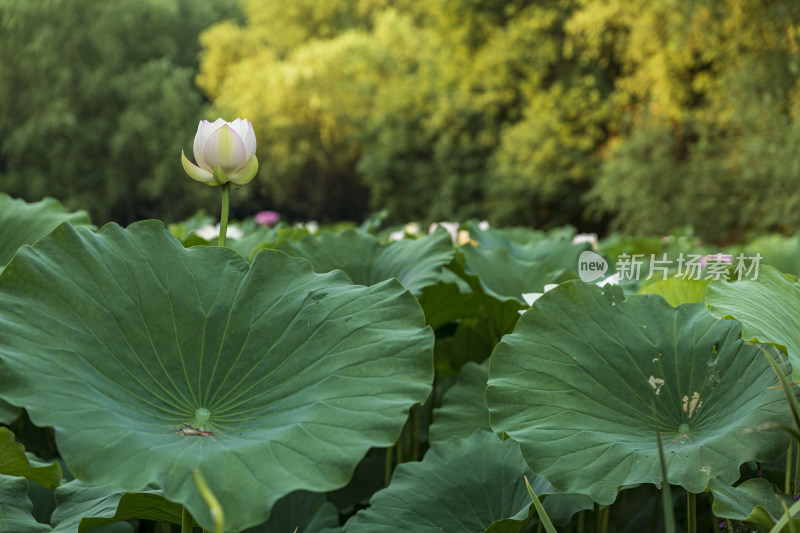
(463, 409)
(753, 501)
(15, 507)
(84, 507)
(130, 346)
(576, 383)
(23, 223)
(416, 263)
(461, 485)
(767, 308)
(14, 462)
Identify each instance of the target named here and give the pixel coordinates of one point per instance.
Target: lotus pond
(368, 379)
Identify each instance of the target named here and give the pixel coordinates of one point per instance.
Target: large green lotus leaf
(302, 511)
(461, 485)
(504, 237)
(768, 309)
(85, 508)
(753, 501)
(501, 310)
(505, 277)
(530, 245)
(16, 507)
(82, 507)
(14, 462)
(416, 263)
(498, 282)
(472, 341)
(588, 378)
(463, 409)
(132, 347)
(677, 291)
(24, 223)
(445, 302)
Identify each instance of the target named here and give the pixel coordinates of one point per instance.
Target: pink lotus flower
(267, 218)
(716, 258)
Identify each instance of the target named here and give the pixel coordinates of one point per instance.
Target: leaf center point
(202, 415)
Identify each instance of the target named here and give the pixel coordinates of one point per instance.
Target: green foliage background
(634, 115)
(97, 99)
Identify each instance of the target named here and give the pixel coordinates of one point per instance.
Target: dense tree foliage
(641, 115)
(540, 112)
(97, 99)
(712, 134)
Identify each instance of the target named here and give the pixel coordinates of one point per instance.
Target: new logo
(591, 266)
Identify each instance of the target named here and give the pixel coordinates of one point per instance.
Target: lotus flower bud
(224, 152)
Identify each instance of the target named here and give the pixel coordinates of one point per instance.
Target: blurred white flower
(464, 238)
(531, 297)
(451, 227)
(459, 238)
(397, 236)
(209, 232)
(311, 226)
(483, 225)
(610, 280)
(581, 238)
(412, 228)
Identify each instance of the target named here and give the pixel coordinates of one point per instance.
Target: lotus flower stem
(691, 512)
(796, 476)
(414, 423)
(387, 472)
(787, 482)
(398, 448)
(598, 518)
(654, 515)
(666, 491)
(187, 522)
(223, 216)
(211, 501)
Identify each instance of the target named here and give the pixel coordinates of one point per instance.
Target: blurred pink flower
(716, 258)
(267, 218)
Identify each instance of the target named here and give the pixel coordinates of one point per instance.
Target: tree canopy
(97, 99)
(632, 115)
(527, 112)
